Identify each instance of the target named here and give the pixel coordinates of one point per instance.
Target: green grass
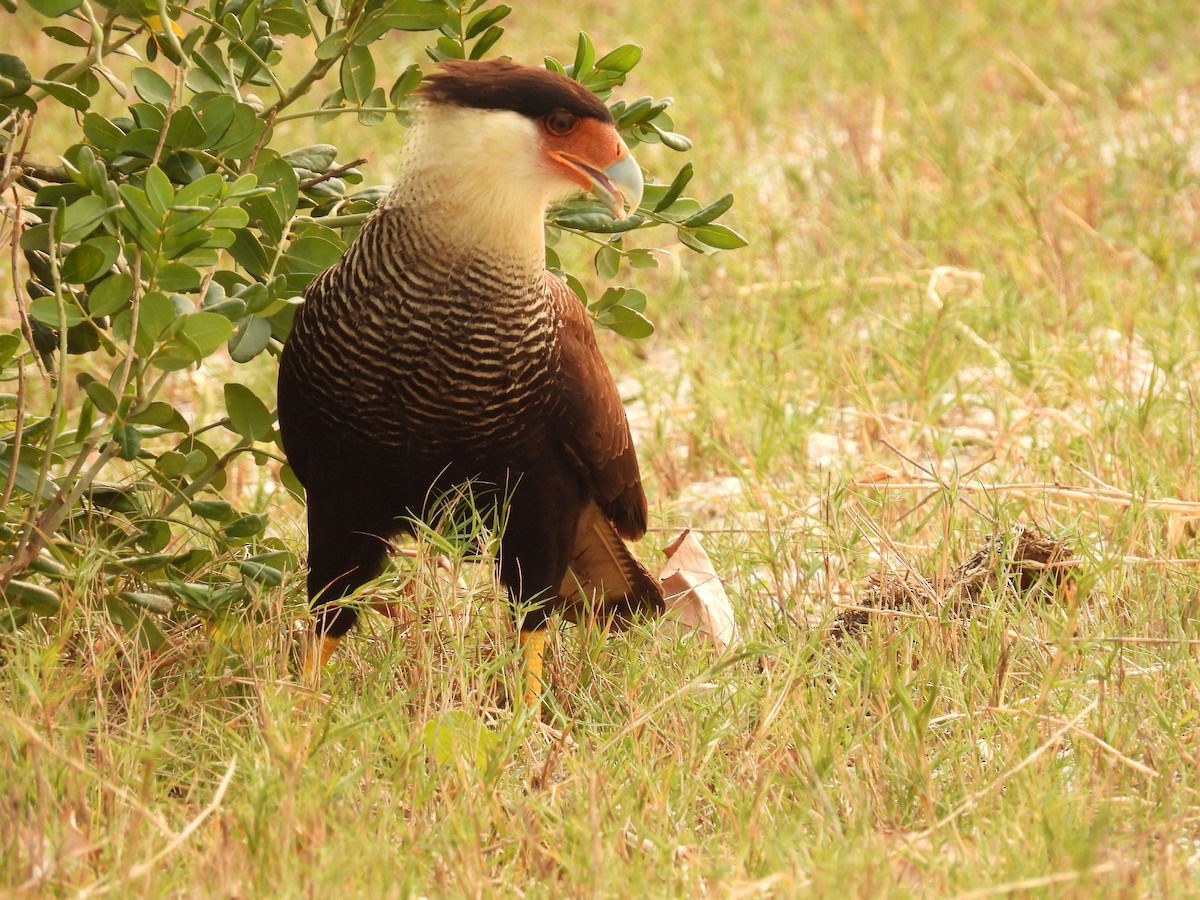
(1046, 153)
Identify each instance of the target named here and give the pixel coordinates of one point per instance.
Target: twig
(332, 173)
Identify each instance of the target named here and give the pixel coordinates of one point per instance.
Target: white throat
(478, 180)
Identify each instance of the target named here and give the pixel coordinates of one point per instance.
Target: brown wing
(591, 421)
(604, 579)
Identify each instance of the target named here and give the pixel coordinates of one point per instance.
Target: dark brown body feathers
(405, 378)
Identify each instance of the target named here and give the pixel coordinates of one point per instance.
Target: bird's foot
(319, 652)
(533, 652)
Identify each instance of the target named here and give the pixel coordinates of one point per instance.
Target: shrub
(179, 230)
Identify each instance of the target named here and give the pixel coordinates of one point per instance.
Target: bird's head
(506, 141)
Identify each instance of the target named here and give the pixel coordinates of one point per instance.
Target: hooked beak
(618, 186)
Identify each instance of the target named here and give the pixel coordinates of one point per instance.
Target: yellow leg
(316, 658)
(533, 650)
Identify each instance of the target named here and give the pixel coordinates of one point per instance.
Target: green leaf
(128, 440)
(45, 310)
(105, 399)
(249, 253)
(230, 217)
(65, 36)
(718, 236)
(372, 117)
(146, 600)
(623, 59)
(583, 219)
(261, 572)
(213, 510)
(332, 44)
(676, 189)
(486, 42)
(585, 57)
(171, 463)
(251, 339)
(52, 9)
(90, 260)
(315, 157)
(416, 15)
(207, 330)
(248, 416)
(608, 262)
(67, 95)
(81, 217)
(152, 87)
(136, 622)
(243, 134)
(139, 217)
(178, 276)
(274, 209)
(283, 19)
(37, 599)
(288, 477)
(627, 322)
(151, 116)
(160, 413)
(486, 20)
(110, 295)
(312, 254)
(215, 113)
(26, 478)
(610, 298)
(409, 81)
(196, 338)
(184, 130)
(155, 313)
(100, 132)
(357, 75)
(634, 299)
(676, 142)
(642, 259)
(712, 211)
(446, 48)
(246, 526)
(15, 79)
(9, 345)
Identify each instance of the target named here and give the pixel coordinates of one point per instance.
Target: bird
(440, 352)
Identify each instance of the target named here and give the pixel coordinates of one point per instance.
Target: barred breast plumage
(406, 355)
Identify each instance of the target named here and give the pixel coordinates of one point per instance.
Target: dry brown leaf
(695, 594)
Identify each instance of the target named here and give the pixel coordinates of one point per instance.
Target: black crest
(502, 84)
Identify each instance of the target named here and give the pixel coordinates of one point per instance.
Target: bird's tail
(604, 580)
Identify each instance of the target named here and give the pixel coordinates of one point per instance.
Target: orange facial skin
(586, 153)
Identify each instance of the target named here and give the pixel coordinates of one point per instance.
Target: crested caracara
(440, 352)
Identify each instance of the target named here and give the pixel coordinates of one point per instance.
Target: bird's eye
(560, 121)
